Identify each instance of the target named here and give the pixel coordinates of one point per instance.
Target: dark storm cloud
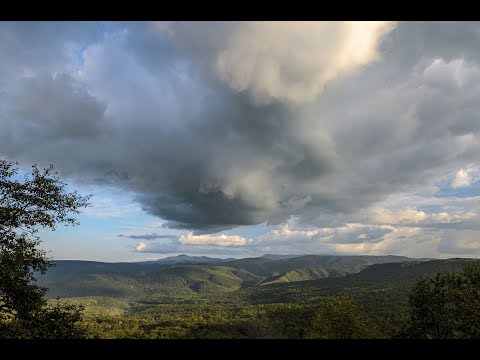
(148, 114)
(73, 114)
(152, 236)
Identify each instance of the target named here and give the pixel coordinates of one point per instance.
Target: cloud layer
(217, 125)
(280, 61)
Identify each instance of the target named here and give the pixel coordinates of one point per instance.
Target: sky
(237, 139)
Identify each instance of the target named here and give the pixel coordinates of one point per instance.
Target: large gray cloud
(206, 147)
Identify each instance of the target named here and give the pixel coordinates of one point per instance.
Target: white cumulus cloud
(405, 216)
(141, 246)
(282, 61)
(209, 240)
(466, 177)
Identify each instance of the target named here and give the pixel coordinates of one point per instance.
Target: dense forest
(294, 297)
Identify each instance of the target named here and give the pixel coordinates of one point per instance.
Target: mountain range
(186, 277)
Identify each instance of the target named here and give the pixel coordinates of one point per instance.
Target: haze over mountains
(170, 260)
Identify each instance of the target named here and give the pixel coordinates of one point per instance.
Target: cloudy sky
(244, 138)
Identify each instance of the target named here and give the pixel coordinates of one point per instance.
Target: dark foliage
(446, 306)
(39, 201)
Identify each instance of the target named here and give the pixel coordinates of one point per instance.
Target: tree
(447, 306)
(39, 201)
(341, 318)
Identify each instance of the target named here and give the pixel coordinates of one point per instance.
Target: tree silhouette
(39, 201)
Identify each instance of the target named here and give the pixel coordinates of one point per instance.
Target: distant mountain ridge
(184, 275)
(185, 259)
(279, 257)
(395, 278)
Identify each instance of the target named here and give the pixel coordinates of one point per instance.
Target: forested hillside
(266, 297)
(195, 276)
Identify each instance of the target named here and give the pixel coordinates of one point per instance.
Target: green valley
(243, 298)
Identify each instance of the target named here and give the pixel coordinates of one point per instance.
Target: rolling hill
(377, 278)
(249, 298)
(184, 276)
